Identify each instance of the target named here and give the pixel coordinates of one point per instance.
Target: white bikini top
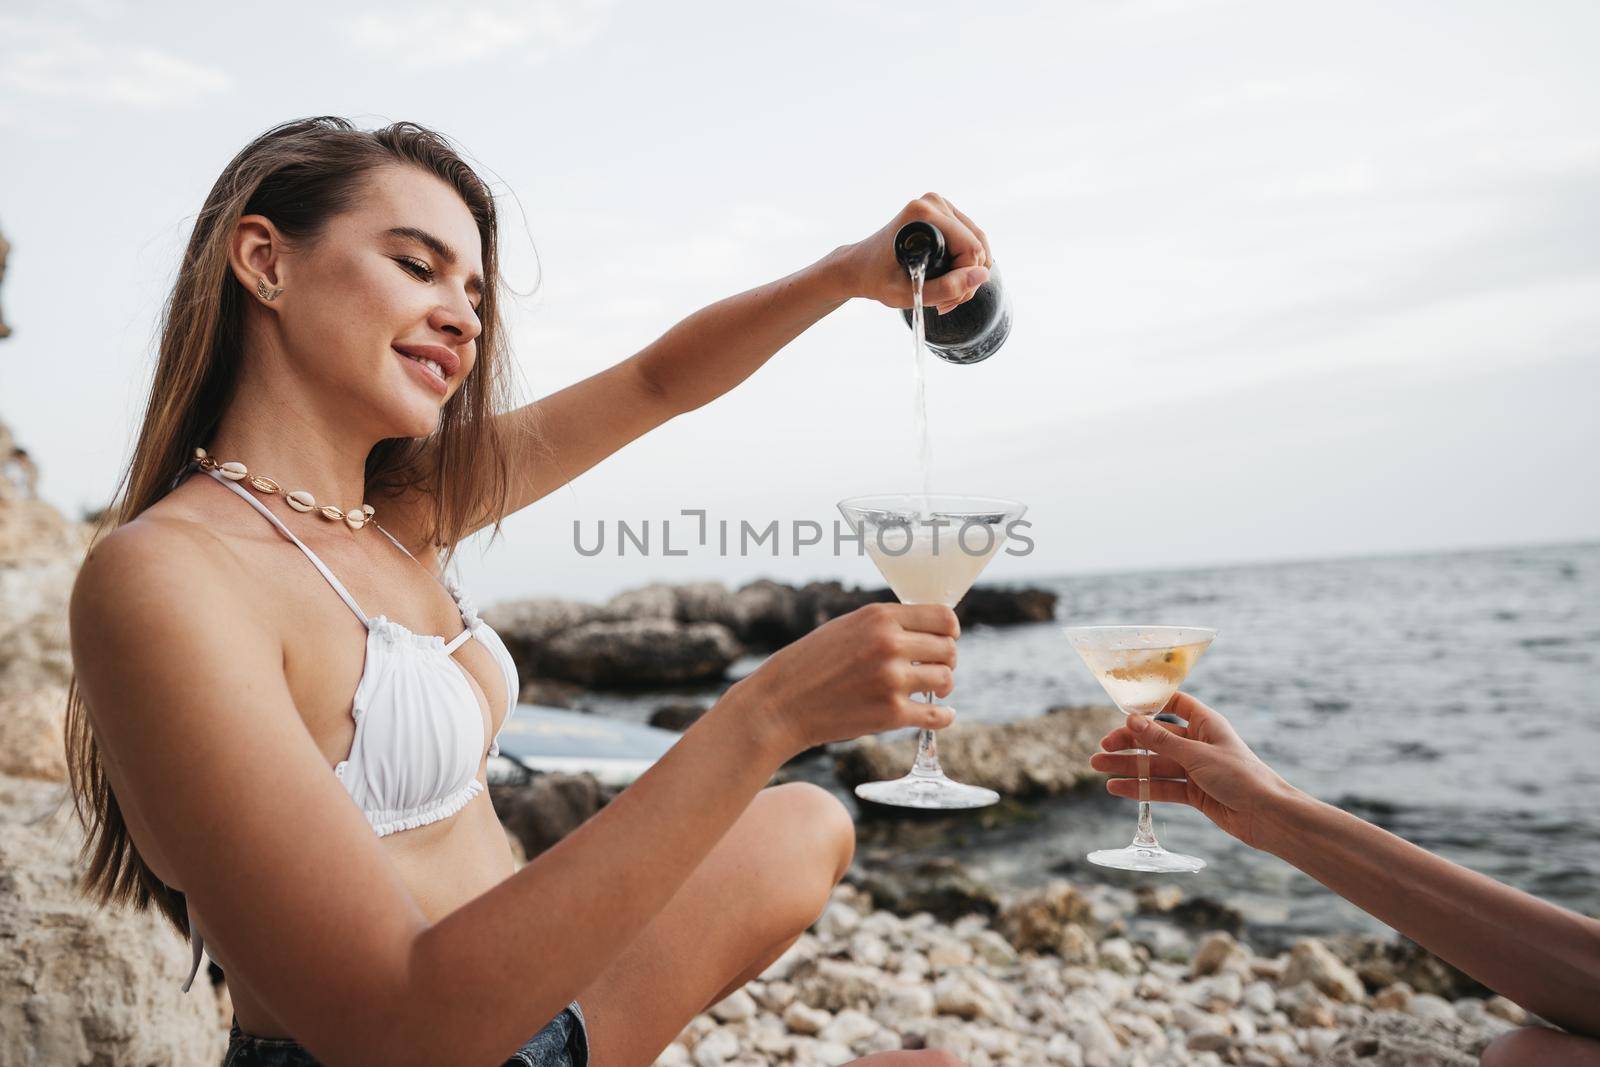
(419, 731)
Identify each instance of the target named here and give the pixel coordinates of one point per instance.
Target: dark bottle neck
(921, 242)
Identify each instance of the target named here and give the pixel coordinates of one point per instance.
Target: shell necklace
(355, 517)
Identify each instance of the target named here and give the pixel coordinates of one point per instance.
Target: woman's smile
(428, 371)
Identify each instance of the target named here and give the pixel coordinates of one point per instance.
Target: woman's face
(390, 283)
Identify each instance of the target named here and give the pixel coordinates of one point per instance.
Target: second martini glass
(930, 548)
(1140, 667)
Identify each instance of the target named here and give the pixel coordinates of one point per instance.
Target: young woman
(1543, 957)
(267, 636)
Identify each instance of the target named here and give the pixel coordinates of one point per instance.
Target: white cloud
(539, 29)
(51, 58)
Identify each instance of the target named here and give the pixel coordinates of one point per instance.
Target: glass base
(927, 791)
(1156, 860)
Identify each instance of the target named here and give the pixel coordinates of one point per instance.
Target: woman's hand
(1214, 770)
(855, 675)
(871, 270)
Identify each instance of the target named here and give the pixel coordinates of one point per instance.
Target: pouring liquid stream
(919, 388)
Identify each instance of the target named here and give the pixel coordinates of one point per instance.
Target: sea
(1451, 698)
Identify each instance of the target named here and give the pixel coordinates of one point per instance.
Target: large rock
(645, 652)
(1381, 962)
(5, 247)
(526, 625)
(991, 606)
(1044, 920)
(636, 639)
(1202, 914)
(32, 739)
(82, 985)
(648, 602)
(553, 694)
(938, 885)
(542, 811)
(1310, 961)
(678, 716)
(1031, 758)
(762, 614)
(708, 602)
(40, 551)
(772, 614)
(1389, 1039)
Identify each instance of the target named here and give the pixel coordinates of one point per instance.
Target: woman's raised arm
(721, 345)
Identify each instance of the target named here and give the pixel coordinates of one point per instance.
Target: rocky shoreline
(1053, 979)
(664, 635)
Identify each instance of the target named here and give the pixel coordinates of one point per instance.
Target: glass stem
(1145, 835)
(927, 764)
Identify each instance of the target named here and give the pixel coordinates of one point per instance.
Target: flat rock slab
(1031, 758)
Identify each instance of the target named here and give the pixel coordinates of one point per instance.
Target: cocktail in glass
(930, 548)
(1140, 667)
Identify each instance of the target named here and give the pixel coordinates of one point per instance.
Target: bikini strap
(397, 544)
(453, 590)
(338, 587)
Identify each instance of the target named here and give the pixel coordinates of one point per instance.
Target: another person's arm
(230, 800)
(1541, 956)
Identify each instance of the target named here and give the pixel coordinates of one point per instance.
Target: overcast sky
(1290, 280)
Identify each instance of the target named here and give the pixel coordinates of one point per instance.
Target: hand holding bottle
(876, 274)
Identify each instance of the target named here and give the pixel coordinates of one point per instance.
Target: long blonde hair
(300, 175)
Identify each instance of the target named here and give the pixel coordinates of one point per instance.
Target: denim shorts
(564, 1042)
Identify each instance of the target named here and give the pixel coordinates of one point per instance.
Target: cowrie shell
(264, 485)
(368, 508)
(301, 500)
(233, 470)
(332, 512)
(355, 519)
(199, 453)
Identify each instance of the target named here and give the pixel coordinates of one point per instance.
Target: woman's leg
(764, 883)
(1535, 1046)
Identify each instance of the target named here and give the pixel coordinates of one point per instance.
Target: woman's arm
(230, 800)
(1545, 958)
(719, 346)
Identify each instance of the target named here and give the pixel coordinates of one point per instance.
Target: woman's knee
(1532, 1046)
(814, 815)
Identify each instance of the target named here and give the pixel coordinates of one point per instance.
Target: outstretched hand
(1204, 765)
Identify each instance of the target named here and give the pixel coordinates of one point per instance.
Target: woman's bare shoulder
(157, 570)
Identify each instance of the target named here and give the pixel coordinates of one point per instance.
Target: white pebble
(848, 1027)
(1117, 953)
(674, 1055)
(1429, 1006)
(1258, 997)
(801, 1018)
(715, 1048)
(737, 1007)
(868, 949)
(838, 921)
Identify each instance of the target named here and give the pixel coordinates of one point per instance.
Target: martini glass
(930, 548)
(1140, 667)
